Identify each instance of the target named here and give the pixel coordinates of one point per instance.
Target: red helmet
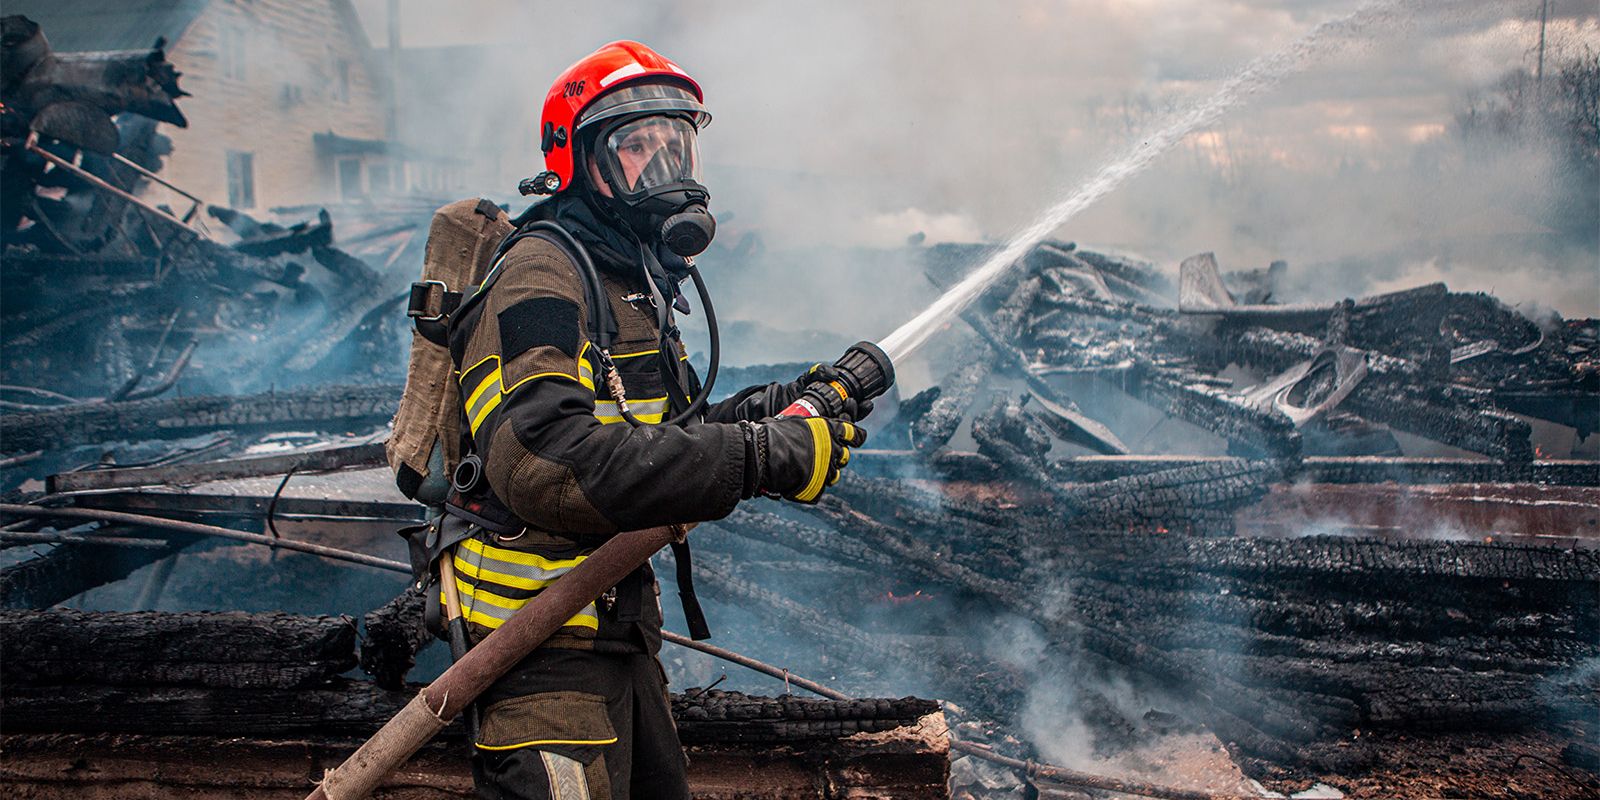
(621, 78)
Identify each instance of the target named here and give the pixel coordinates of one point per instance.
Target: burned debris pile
(1347, 538)
(1124, 582)
(1012, 538)
(116, 295)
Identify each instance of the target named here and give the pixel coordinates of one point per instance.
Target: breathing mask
(645, 144)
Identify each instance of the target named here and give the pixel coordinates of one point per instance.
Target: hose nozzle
(865, 372)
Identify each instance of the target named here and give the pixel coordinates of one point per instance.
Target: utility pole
(394, 70)
(1538, 76)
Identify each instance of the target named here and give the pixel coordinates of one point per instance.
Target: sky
(852, 123)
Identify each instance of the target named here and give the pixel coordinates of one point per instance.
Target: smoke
(863, 124)
(844, 129)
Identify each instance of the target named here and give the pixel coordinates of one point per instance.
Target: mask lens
(652, 152)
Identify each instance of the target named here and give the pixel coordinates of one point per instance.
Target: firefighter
(586, 715)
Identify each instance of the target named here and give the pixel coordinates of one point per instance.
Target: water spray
(1259, 75)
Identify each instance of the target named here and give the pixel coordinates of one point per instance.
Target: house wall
(265, 76)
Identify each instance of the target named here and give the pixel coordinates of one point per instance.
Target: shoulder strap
(602, 324)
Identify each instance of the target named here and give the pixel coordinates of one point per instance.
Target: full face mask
(646, 148)
(652, 166)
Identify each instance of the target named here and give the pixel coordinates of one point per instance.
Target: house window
(241, 179)
(350, 179)
(232, 53)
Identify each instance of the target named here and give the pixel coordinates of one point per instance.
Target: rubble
(1016, 534)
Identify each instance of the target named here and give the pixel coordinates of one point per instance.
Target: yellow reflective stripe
(580, 620)
(821, 445)
(504, 578)
(683, 357)
(648, 419)
(612, 740)
(493, 379)
(468, 370)
(512, 580)
(483, 413)
(651, 410)
(484, 595)
(521, 556)
(508, 389)
(587, 618)
(585, 372)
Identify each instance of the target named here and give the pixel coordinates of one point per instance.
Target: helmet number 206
(572, 89)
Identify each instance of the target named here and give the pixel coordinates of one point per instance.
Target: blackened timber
(954, 465)
(338, 708)
(394, 634)
(1174, 494)
(229, 649)
(71, 570)
(1390, 395)
(767, 527)
(1061, 414)
(337, 406)
(718, 716)
(228, 504)
(1489, 431)
(1184, 395)
(364, 455)
(346, 707)
(933, 429)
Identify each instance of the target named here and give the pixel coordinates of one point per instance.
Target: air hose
(669, 360)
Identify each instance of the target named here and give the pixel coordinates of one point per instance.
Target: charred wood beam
(962, 466)
(225, 505)
(933, 429)
(68, 571)
(346, 708)
(733, 716)
(770, 528)
(1059, 413)
(957, 390)
(1185, 395)
(1396, 393)
(230, 649)
(1335, 560)
(358, 455)
(1175, 494)
(350, 708)
(1489, 431)
(394, 635)
(335, 406)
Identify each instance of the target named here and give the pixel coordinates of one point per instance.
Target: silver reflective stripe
(640, 408)
(566, 777)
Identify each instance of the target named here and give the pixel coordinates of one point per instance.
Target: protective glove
(854, 410)
(797, 457)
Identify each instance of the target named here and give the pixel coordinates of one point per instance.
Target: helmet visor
(649, 153)
(643, 98)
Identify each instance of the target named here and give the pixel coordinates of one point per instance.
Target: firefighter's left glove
(797, 457)
(854, 410)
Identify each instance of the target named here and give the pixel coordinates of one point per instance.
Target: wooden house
(289, 105)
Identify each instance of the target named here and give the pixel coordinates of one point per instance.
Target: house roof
(93, 25)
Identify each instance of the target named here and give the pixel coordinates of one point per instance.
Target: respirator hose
(698, 403)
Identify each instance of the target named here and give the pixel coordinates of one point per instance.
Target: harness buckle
(421, 292)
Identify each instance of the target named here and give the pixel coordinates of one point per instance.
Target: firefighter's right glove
(797, 457)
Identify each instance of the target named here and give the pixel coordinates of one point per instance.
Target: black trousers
(579, 725)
